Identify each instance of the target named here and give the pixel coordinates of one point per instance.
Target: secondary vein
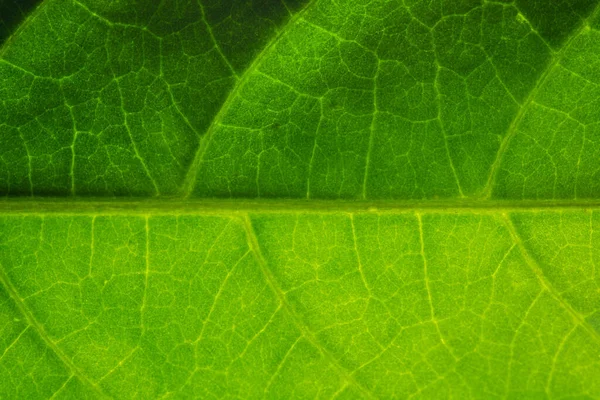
(513, 128)
(4, 281)
(271, 281)
(189, 181)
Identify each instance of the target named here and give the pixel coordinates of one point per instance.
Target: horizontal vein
(153, 206)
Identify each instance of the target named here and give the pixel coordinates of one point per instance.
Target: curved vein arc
(304, 331)
(32, 16)
(189, 181)
(4, 281)
(486, 192)
(547, 285)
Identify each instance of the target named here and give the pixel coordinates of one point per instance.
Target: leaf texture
(301, 304)
(12, 14)
(325, 100)
(300, 199)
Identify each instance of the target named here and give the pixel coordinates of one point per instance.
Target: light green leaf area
(320, 199)
(424, 304)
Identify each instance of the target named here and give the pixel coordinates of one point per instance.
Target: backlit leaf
(299, 199)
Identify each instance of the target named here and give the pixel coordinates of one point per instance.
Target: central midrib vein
(165, 206)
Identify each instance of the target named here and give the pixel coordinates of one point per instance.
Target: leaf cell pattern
(389, 305)
(351, 99)
(305, 199)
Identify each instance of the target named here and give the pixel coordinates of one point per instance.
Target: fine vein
(271, 281)
(190, 179)
(4, 281)
(513, 128)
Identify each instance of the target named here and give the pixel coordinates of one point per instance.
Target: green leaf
(282, 304)
(122, 91)
(13, 13)
(327, 99)
(300, 199)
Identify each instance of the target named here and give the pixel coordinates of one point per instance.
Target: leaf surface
(300, 199)
(12, 14)
(366, 304)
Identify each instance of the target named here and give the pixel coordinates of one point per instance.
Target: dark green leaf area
(13, 13)
(412, 103)
(554, 20)
(109, 98)
(322, 99)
